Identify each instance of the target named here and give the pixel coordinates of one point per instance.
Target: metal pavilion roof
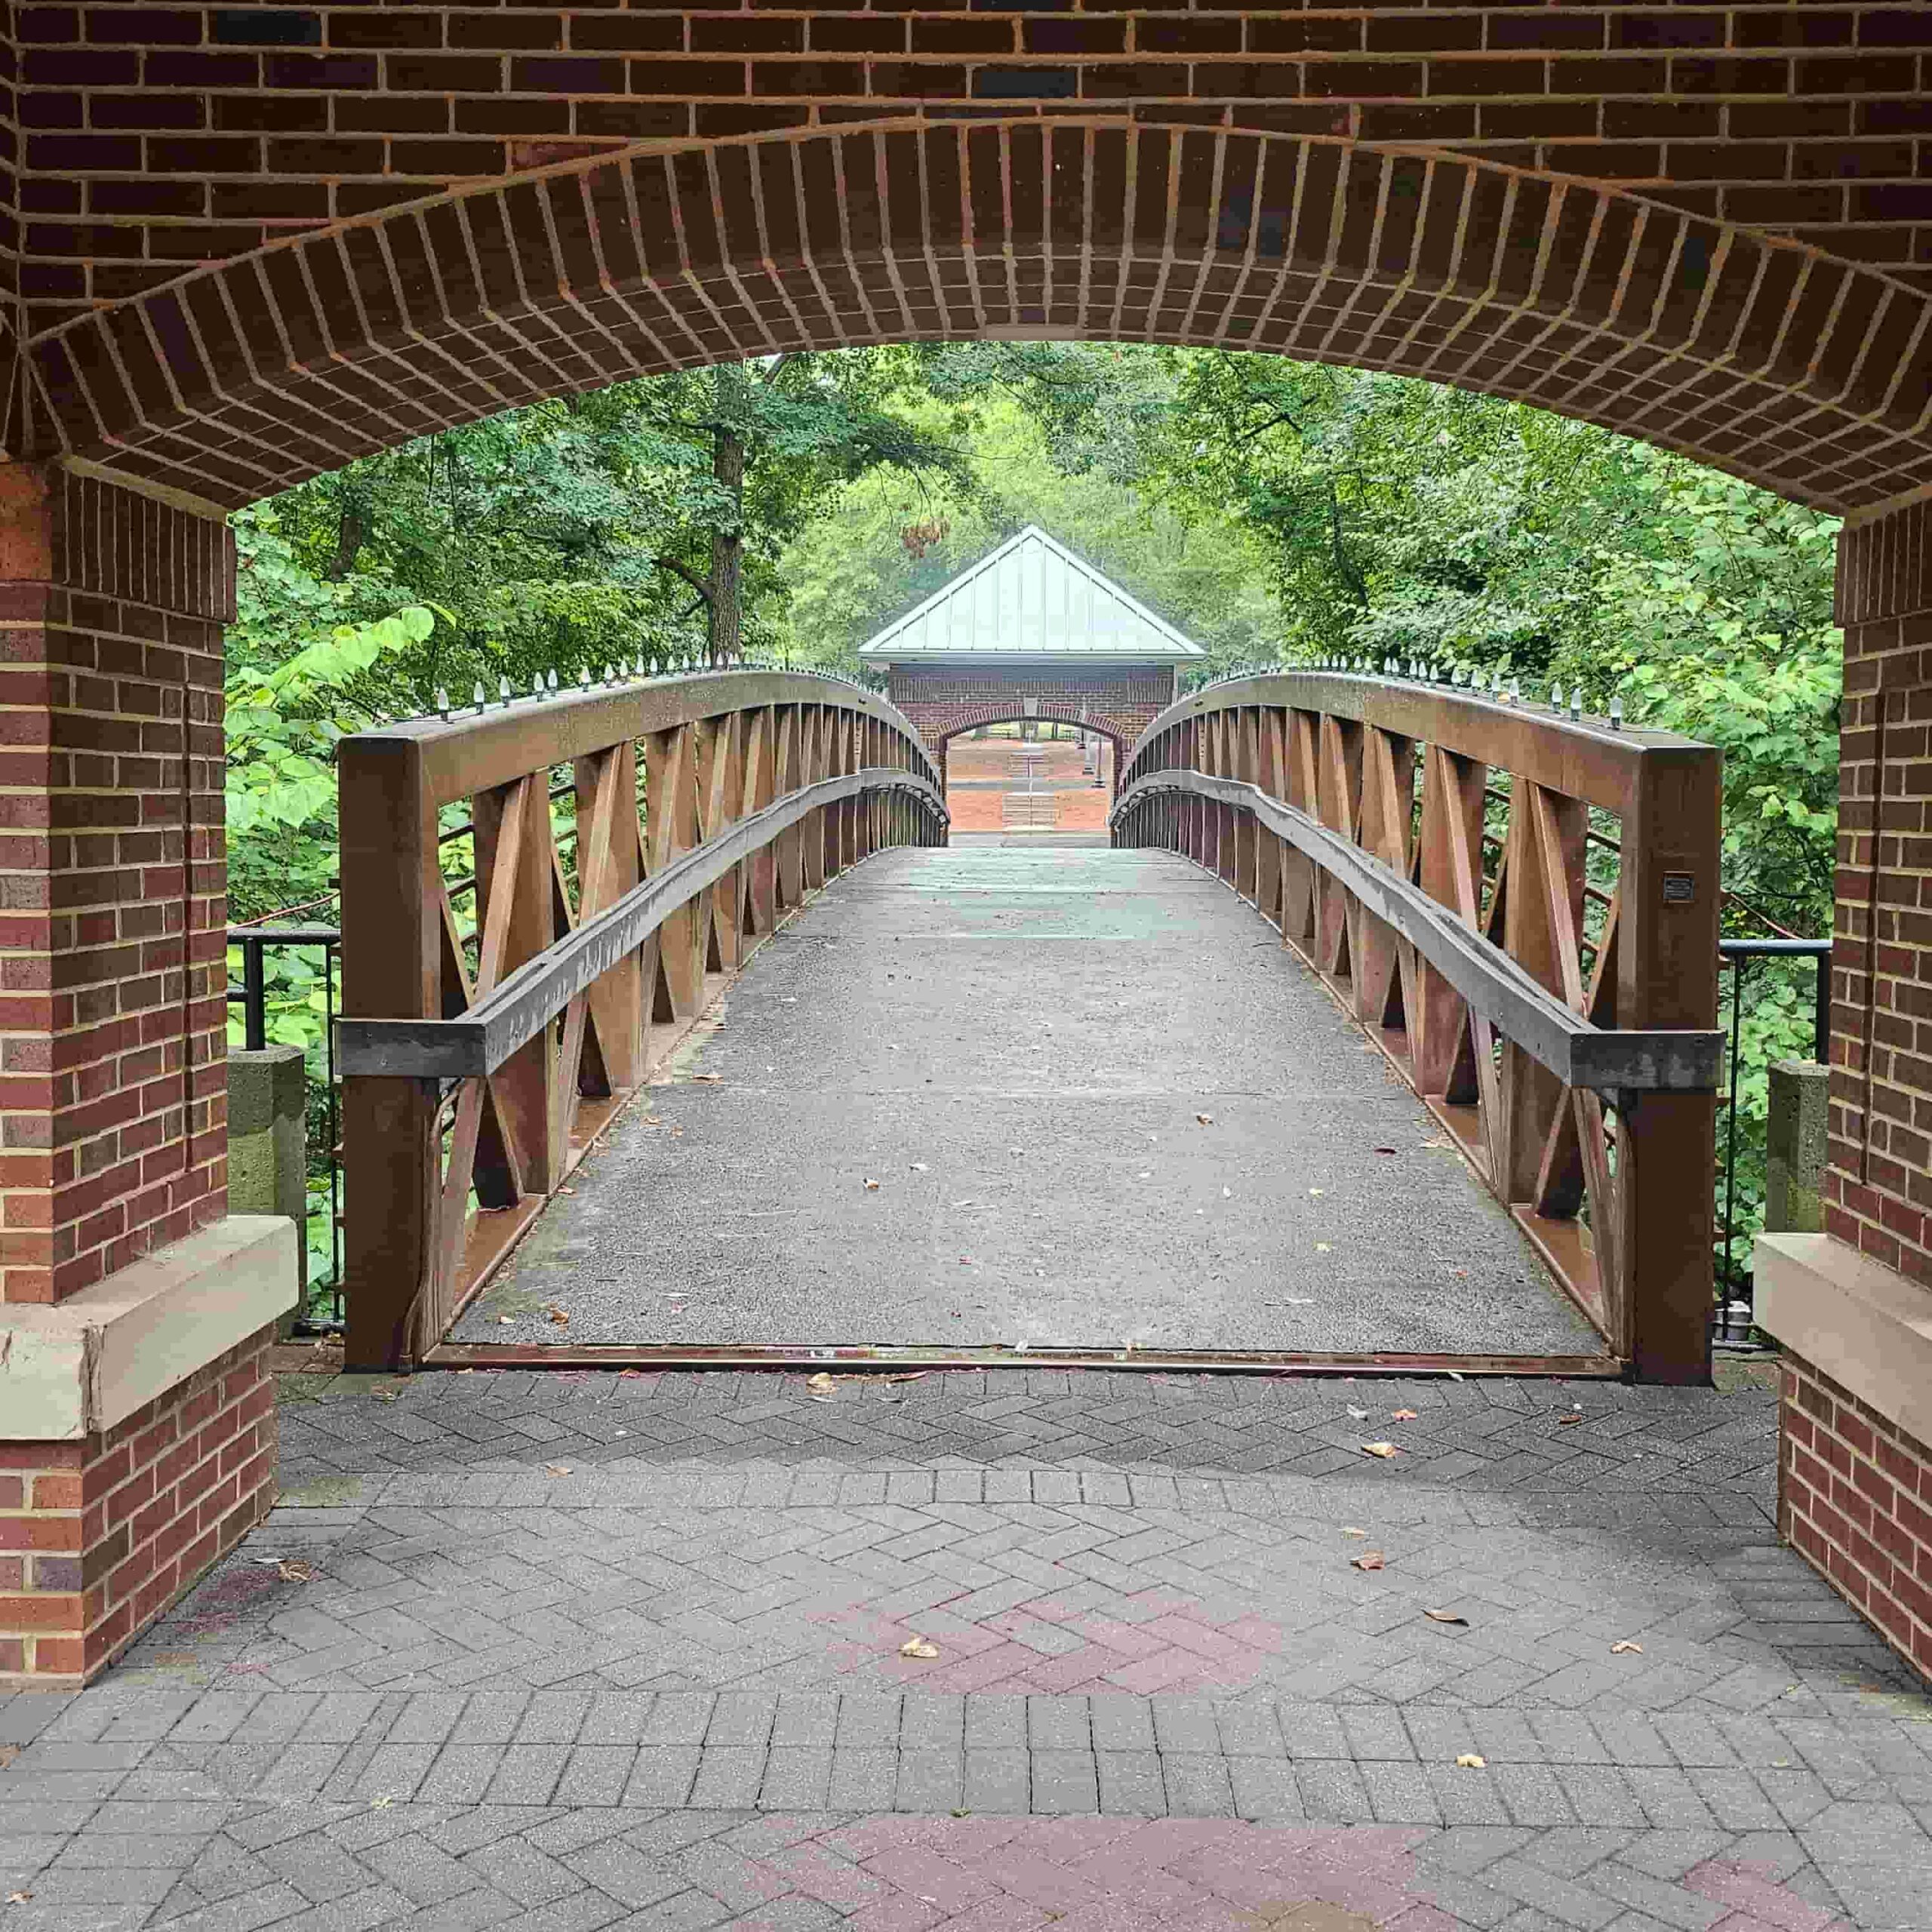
(1029, 599)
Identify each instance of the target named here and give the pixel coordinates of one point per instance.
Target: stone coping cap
(88, 1362)
(1860, 1322)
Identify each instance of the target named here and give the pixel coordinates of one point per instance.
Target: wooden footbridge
(1461, 1108)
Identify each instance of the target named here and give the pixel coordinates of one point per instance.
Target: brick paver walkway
(565, 1651)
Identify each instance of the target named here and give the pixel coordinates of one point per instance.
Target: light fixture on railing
(476, 698)
(1515, 690)
(640, 671)
(1575, 702)
(442, 702)
(503, 690)
(551, 684)
(1616, 711)
(583, 677)
(536, 684)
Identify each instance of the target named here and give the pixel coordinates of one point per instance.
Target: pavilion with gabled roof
(1031, 631)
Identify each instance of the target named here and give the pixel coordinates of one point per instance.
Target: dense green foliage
(1275, 511)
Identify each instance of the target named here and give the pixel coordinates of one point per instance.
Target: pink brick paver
(968, 1875)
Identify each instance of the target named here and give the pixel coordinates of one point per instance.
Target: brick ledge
(88, 1362)
(1853, 1318)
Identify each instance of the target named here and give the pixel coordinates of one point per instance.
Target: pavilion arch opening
(1048, 772)
(1692, 311)
(1770, 362)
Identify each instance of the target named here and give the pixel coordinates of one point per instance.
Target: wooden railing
(538, 898)
(1521, 907)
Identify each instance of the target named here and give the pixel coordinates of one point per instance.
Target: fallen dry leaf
(566, 1190)
(507, 1321)
(18, 1898)
(1370, 1559)
(381, 1804)
(1469, 1761)
(1564, 1422)
(918, 1647)
(292, 1569)
(622, 1373)
(1384, 1450)
(1349, 1530)
(821, 1380)
(709, 1079)
(1444, 1617)
(1206, 1120)
(556, 1314)
(918, 1167)
(1360, 1415)
(8, 1753)
(872, 1185)
(1623, 1648)
(1322, 1247)
(1385, 1150)
(556, 1469)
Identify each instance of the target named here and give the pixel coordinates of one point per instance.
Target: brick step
(1030, 808)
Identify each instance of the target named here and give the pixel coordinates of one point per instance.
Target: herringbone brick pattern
(1476, 1433)
(575, 1652)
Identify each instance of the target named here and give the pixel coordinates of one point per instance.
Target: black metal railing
(251, 995)
(1731, 1317)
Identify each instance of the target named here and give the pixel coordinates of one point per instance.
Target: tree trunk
(728, 545)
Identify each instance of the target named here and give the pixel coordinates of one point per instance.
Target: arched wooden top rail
(1520, 906)
(538, 897)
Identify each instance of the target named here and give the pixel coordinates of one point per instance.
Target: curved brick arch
(1796, 369)
(938, 724)
(1121, 731)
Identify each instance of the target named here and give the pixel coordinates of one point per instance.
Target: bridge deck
(1102, 1105)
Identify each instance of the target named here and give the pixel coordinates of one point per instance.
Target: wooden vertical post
(391, 969)
(1666, 1145)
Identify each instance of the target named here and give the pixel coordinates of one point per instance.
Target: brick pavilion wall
(1878, 1184)
(98, 1537)
(113, 1023)
(943, 699)
(113, 1016)
(159, 137)
(1855, 1500)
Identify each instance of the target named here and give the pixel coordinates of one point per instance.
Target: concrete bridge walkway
(997, 1097)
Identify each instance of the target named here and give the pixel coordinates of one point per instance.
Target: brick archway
(1120, 728)
(1119, 715)
(142, 403)
(1800, 371)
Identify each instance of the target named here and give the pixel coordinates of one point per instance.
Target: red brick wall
(1803, 373)
(97, 1537)
(940, 700)
(161, 137)
(1878, 1186)
(113, 1101)
(1855, 1499)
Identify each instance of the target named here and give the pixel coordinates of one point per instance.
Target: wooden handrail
(1576, 1074)
(759, 784)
